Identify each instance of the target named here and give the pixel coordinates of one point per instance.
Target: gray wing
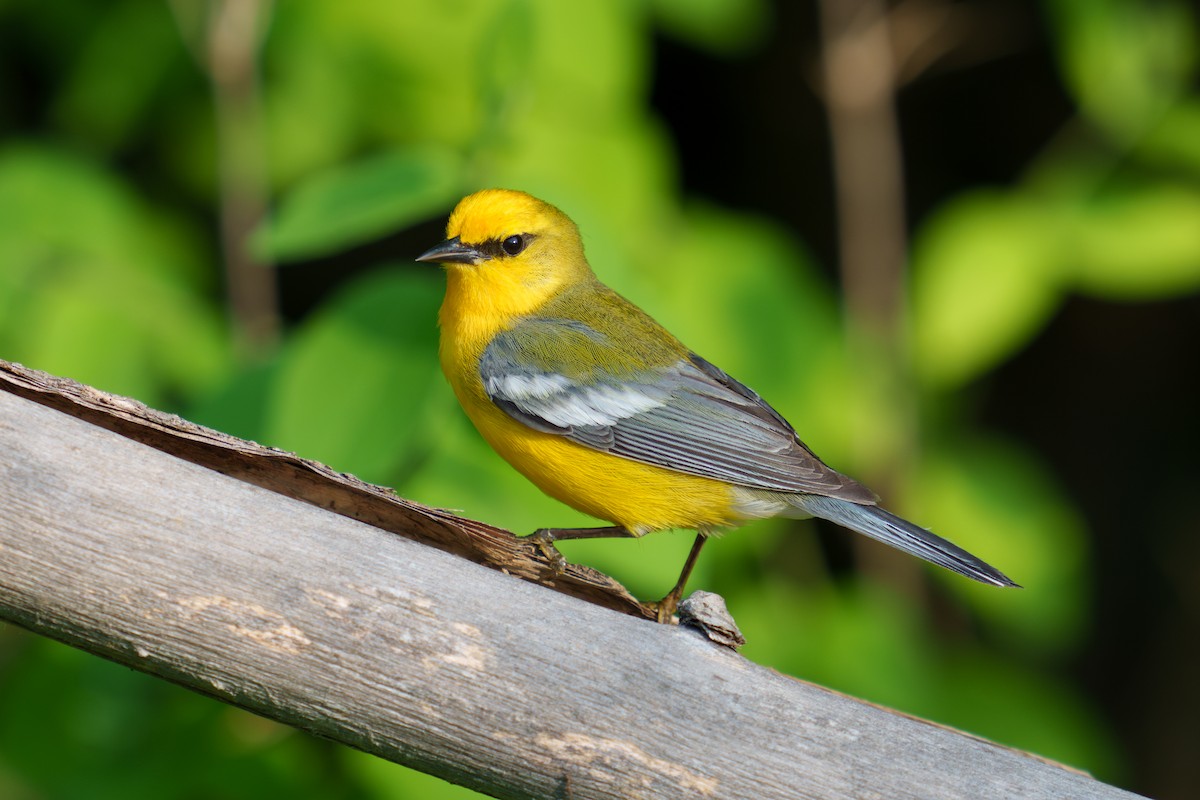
(687, 416)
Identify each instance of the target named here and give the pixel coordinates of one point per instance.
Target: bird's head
(509, 250)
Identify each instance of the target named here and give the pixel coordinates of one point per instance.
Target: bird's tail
(873, 521)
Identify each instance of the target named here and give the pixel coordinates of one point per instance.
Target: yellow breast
(640, 497)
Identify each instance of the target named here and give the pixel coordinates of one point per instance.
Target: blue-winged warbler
(603, 409)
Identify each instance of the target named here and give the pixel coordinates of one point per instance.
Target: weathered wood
(426, 658)
(316, 483)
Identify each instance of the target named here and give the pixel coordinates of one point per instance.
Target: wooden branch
(417, 655)
(315, 483)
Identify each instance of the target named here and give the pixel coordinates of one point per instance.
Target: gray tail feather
(900, 533)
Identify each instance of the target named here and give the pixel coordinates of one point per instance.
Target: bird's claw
(664, 609)
(543, 540)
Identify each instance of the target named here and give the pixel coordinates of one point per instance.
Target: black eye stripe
(495, 248)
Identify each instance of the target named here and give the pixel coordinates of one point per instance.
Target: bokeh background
(956, 243)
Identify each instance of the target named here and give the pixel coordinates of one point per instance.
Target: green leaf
(112, 84)
(360, 202)
(96, 285)
(743, 295)
(588, 77)
(851, 637)
(1036, 711)
(1138, 244)
(997, 502)
(354, 384)
(726, 27)
(383, 779)
(137, 737)
(1174, 142)
(1125, 61)
(987, 274)
(139, 337)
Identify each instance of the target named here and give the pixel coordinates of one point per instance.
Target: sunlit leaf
(987, 274)
(384, 779)
(1139, 243)
(745, 296)
(97, 286)
(353, 387)
(136, 337)
(1125, 61)
(355, 75)
(587, 78)
(362, 201)
(612, 177)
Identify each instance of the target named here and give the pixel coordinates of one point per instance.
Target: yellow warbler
(606, 411)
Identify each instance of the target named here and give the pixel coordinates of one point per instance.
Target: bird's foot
(543, 539)
(664, 609)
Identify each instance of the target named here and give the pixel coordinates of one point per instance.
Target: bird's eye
(513, 245)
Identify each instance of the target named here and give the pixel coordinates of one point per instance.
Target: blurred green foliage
(378, 116)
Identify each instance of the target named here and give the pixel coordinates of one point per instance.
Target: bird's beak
(452, 251)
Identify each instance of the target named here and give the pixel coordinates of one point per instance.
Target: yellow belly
(640, 497)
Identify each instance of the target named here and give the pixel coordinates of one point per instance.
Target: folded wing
(557, 376)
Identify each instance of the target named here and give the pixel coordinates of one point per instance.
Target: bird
(603, 409)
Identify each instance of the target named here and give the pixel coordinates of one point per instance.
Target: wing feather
(687, 415)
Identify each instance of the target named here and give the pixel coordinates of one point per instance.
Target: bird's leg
(666, 607)
(544, 538)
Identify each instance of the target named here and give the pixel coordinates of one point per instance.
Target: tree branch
(405, 651)
(315, 483)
